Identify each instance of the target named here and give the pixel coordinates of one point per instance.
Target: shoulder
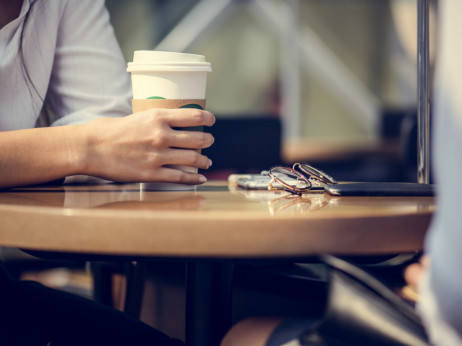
(73, 8)
(83, 18)
(55, 10)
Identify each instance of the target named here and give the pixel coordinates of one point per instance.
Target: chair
(361, 309)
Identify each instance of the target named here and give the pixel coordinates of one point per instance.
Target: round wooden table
(212, 221)
(208, 228)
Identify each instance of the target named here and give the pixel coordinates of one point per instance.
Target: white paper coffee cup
(168, 80)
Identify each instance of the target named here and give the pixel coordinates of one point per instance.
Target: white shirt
(72, 58)
(441, 287)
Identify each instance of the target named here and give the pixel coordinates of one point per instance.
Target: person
(438, 275)
(440, 285)
(34, 315)
(63, 56)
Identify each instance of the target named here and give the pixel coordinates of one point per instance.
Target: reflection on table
(212, 221)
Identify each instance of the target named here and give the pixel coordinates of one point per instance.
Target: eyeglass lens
(290, 177)
(316, 173)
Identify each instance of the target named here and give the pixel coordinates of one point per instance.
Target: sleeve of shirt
(441, 288)
(89, 77)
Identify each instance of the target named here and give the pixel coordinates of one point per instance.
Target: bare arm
(132, 149)
(38, 155)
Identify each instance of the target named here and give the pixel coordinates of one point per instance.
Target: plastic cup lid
(151, 61)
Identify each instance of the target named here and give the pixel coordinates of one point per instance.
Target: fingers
(172, 175)
(181, 118)
(190, 139)
(185, 117)
(425, 261)
(185, 157)
(142, 145)
(179, 161)
(412, 274)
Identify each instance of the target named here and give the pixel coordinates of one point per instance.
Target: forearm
(38, 155)
(136, 148)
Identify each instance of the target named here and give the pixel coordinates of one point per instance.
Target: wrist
(80, 149)
(90, 151)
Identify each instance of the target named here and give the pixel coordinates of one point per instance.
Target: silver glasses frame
(314, 173)
(310, 175)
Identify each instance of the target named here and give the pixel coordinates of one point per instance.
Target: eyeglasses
(298, 179)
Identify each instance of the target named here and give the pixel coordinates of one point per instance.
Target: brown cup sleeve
(139, 105)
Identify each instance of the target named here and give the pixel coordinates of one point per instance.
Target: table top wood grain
(215, 220)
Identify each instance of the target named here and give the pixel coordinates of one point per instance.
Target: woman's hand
(413, 272)
(136, 148)
(412, 276)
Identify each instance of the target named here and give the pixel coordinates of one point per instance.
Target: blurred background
(340, 76)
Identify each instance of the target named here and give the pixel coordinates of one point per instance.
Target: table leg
(208, 302)
(136, 277)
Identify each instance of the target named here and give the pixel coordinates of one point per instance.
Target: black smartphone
(380, 189)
